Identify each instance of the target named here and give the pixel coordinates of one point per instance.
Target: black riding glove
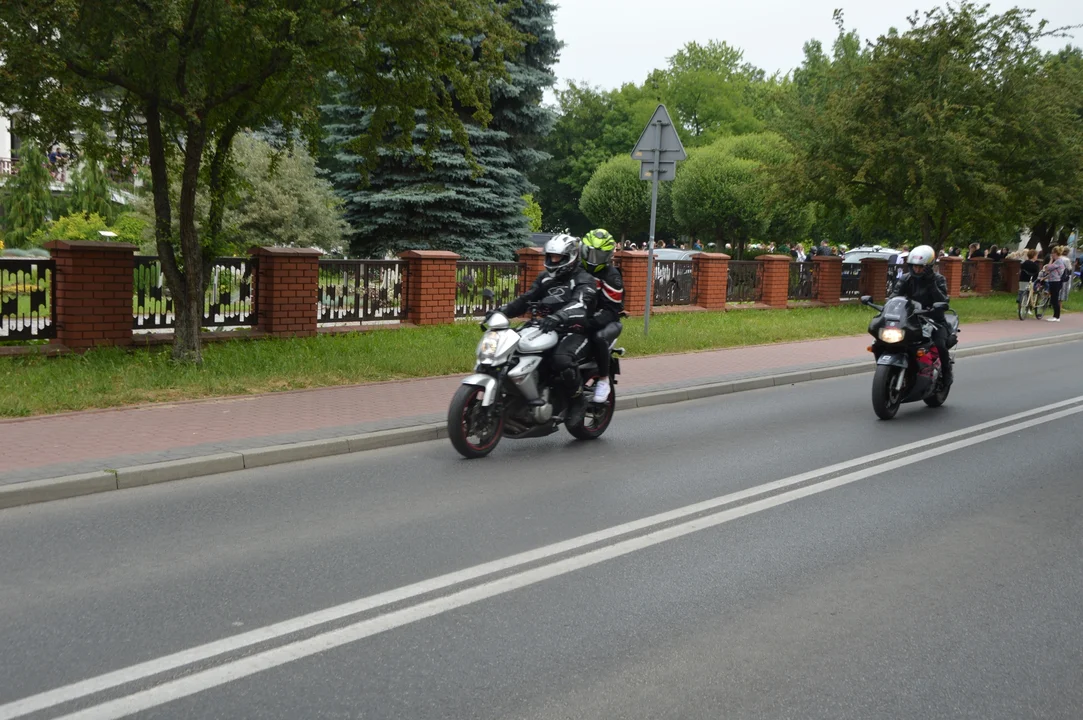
(549, 323)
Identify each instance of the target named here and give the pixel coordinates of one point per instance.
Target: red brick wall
(983, 276)
(711, 278)
(827, 276)
(874, 278)
(952, 270)
(1010, 273)
(430, 286)
(776, 279)
(633, 269)
(287, 290)
(93, 293)
(533, 261)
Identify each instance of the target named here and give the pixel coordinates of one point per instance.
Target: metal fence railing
(229, 298)
(361, 291)
(744, 282)
(802, 281)
(851, 280)
(473, 278)
(27, 299)
(969, 270)
(673, 282)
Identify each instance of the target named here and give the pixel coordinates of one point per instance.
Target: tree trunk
(1041, 233)
(163, 217)
(186, 332)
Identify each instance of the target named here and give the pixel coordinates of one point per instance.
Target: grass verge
(108, 377)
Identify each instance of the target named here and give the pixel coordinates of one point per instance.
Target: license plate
(615, 365)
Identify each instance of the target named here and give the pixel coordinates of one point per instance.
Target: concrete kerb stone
(36, 491)
(398, 436)
(153, 473)
(275, 454)
(69, 486)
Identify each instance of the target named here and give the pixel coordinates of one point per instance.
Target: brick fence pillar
(287, 290)
(1009, 272)
(93, 293)
(952, 270)
(874, 278)
(983, 276)
(430, 286)
(532, 260)
(633, 269)
(710, 279)
(776, 280)
(827, 276)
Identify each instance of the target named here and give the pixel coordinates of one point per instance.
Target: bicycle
(1035, 300)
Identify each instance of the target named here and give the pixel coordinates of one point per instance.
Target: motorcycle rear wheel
(939, 397)
(466, 418)
(593, 423)
(885, 401)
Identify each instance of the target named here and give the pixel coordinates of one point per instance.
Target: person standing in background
(1053, 274)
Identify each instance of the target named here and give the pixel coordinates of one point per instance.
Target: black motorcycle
(908, 365)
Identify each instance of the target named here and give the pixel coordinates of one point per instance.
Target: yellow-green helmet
(598, 247)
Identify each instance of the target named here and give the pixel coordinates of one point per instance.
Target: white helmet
(561, 255)
(923, 256)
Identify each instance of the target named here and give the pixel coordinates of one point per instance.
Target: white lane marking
(244, 667)
(199, 653)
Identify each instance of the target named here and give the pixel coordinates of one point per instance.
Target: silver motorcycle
(514, 393)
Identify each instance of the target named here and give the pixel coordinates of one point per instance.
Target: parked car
(871, 251)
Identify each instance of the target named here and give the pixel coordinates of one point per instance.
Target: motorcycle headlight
(892, 335)
(487, 346)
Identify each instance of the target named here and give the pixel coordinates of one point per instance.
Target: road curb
(68, 486)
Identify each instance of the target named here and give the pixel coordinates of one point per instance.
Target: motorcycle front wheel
(885, 399)
(474, 430)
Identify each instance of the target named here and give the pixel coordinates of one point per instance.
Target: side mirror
(940, 306)
(866, 299)
(488, 294)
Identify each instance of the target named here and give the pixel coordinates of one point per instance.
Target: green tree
(592, 126)
(616, 199)
(533, 212)
(182, 78)
(951, 125)
(280, 200)
(708, 89)
(721, 194)
(88, 186)
(468, 200)
(1060, 205)
(27, 198)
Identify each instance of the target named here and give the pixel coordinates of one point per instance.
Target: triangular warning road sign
(670, 146)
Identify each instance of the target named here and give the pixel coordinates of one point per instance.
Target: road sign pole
(668, 151)
(650, 239)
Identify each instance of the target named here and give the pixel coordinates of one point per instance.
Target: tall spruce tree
(469, 204)
(28, 200)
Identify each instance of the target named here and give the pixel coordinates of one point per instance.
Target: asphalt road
(929, 567)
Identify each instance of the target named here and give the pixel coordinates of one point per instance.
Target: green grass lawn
(109, 377)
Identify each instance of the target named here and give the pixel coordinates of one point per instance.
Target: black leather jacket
(572, 300)
(610, 296)
(925, 289)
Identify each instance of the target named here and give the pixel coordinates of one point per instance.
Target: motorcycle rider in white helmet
(924, 285)
(573, 291)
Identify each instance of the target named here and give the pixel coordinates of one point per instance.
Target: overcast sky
(611, 42)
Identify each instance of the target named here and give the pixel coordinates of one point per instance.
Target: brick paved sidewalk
(55, 445)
